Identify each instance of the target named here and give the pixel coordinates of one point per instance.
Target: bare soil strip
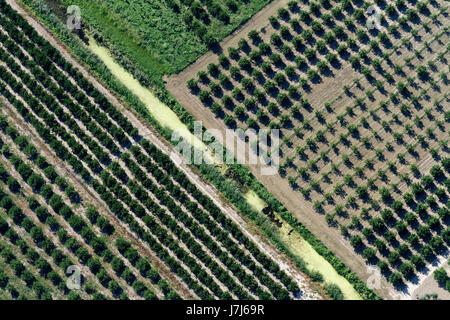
(278, 186)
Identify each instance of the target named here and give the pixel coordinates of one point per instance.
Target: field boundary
(95, 65)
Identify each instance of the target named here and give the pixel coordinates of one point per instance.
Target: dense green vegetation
(49, 187)
(366, 232)
(137, 182)
(226, 185)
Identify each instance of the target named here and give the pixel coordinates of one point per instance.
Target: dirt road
(150, 133)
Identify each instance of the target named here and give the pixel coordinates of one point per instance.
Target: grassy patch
(303, 250)
(152, 35)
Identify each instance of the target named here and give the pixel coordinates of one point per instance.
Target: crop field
(364, 117)
(80, 184)
(95, 203)
(165, 36)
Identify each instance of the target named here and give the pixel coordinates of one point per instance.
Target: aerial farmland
(118, 180)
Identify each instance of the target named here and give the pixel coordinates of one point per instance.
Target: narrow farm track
(249, 229)
(364, 119)
(325, 91)
(142, 225)
(189, 295)
(148, 134)
(89, 196)
(81, 185)
(371, 99)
